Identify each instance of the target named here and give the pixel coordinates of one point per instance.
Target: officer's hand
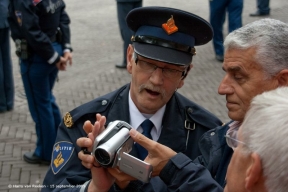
(87, 142)
(121, 179)
(158, 154)
(61, 65)
(101, 179)
(68, 57)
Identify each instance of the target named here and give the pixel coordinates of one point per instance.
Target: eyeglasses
(232, 142)
(167, 72)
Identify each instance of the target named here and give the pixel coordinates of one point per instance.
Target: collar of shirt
(136, 118)
(233, 128)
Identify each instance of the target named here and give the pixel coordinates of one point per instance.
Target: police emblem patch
(68, 121)
(18, 15)
(62, 152)
(35, 2)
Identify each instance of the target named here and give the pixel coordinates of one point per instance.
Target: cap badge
(68, 121)
(170, 26)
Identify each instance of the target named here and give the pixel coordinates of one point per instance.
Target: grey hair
(269, 37)
(265, 131)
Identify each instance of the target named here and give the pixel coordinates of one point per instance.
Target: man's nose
(157, 76)
(225, 87)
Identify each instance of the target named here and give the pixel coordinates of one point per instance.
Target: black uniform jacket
(179, 111)
(37, 21)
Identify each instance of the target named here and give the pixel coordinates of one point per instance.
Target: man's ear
(282, 77)
(254, 172)
(129, 55)
(181, 83)
(188, 70)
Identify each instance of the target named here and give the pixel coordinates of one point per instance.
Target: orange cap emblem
(170, 26)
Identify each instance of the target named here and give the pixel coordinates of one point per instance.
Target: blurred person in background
(6, 71)
(123, 8)
(40, 30)
(218, 11)
(263, 8)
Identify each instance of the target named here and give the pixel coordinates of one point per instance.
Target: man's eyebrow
(232, 69)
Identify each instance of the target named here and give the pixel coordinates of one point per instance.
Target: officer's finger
(84, 142)
(70, 61)
(102, 120)
(96, 129)
(142, 140)
(62, 67)
(63, 59)
(86, 160)
(87, 126)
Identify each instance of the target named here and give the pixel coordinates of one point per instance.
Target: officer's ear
(130, 59)
(181, 83)
(187, 71)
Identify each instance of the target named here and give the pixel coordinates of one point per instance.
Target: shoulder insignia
(62, 152)
(18, 15)
(68, 121)
(170, 26)
(35, 2)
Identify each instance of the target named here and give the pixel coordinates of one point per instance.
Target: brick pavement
(97, 48)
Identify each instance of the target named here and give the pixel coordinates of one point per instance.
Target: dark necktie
(146, 125)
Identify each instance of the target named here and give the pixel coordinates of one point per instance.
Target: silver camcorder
(111, 149)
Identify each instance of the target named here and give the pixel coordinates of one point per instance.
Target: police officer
(40, 29)
(159, 59)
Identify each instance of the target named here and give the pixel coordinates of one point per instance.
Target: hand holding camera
(107, 156)
(101, 179)
(111, 149)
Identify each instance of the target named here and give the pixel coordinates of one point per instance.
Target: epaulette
(98, 105)
(95, 106)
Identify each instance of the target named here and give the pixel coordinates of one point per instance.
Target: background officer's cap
(153, 41)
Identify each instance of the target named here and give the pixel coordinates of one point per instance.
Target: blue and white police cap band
(152, 41)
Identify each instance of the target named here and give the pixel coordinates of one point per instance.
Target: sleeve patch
(62, 152)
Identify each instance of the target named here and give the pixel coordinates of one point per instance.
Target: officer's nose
(225, 87)
(157, 77)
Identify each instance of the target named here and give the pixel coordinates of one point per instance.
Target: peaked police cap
(167, 34)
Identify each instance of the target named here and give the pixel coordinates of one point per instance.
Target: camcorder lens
(102, 156)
